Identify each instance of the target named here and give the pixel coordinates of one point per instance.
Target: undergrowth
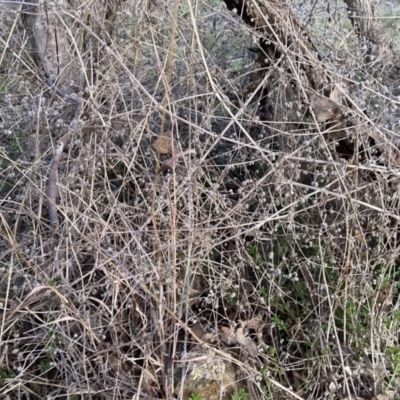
(272, 228)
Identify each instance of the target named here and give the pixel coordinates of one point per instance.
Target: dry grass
(265, 225)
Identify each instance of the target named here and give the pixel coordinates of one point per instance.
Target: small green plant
(395, 357)
(241, 394)
(280, 325)
(235, 65)
(195, 396)
(254, 254)
(263, 292)
(45, 366)
(231, 297)
(5, 373)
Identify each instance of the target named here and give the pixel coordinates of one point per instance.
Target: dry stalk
(163, 143)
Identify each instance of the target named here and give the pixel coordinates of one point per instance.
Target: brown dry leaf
(358, 235)
(197, 330)
(209, 337)
(247, 343)
(227, 335)
(325, 108)
(116, 362)
(254, 323)
(336, 95)
(162, 144)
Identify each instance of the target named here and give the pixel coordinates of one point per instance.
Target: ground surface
(264, 248)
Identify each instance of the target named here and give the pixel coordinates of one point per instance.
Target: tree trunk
(50, 42)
